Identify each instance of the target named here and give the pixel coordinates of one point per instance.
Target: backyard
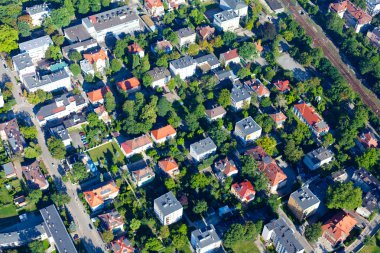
(108, 153)
(245, 246)
(373, 246)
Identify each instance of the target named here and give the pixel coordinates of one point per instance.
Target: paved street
(90, 237)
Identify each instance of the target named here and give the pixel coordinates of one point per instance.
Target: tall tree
(8, 38)
(344, 196)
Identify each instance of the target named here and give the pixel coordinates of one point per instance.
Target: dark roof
(185, 32)
(239, 93)
(183, 62)
(77, 33)
(203, 146)
(60, 132)
(236, 4)
(87, 44)
(22, 61)
(159, 73)
(274, 4)
(225, 15)
(74, 120)
(8, 169)
(304, 198)
(35, 81)
(50, 109)
(209, 58)
(35, 9)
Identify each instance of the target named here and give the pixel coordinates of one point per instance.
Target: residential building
(149, 22)
(224, 168)
(227, 21)
(229, 56)
(38, 13)
(135, 48)
(62, 107)
(202, 149)
(225, 77)
(275, 6)
(368, 140)
(9, 170)
(112, 221)
(205, 240)
(98, 59)
(80, 46)
(97, 96)
(244, 191)
(256, 86)
(207, 62)
(163, 45)
(353, 15)
(206, 32)
(59, 80)
(175, 4)
(34, 177)
(374, 37)
(160, 77)
(36, 48)
(215, 112)
(87, 68)
(20, 201)
(75, 121)
(10, 133)
(155, 7)
(307, 114)
(169, 166)
(184, 67)
(115, 21)
(279, 119)
(282, 236)
(136, 145)
(168, 209)
(339, 176)
(338, 228)
(77, 33)
(186, 36)
(103, 114)
(23, 64)
(282, 86)
(163, 134)
(129, 85)
(97, 197)
(87, 161)
(373, 7)
(1, 99)
(370, 203)
(122, 245)
(238, 6)
(365, 180)
(317, 158)
(247, 130)
(141, 173)
(61, 133)
(303, 203)
(240, 97)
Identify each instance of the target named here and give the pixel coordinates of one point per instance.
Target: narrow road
(332, 53)
(90, 237)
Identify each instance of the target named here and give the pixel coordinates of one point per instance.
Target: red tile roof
(135, 48)
(258, 153)
(278, 117)
(206, 31)
(232, 54)
(163, 132)
(97, 95)
(153, 3)
(338, 228)
(259, 47)
(94, 57)
(269, 167)
(111, 220)
(244, 191)
(360, 15)
(308, 113)
(97, 196)
(261, 90)
(282, 86)
(229, 168)
(368, 139)
(168, 165)
(129, 84)
(130, 145)
(122, 245)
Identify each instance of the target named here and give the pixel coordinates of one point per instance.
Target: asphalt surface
(90, 237)
(332, 53)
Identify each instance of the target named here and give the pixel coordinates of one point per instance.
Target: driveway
(287, 62)
(76, 139)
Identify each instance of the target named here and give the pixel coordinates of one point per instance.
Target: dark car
(76, 237)
(90, 226)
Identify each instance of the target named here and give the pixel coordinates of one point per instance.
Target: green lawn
(374, 245)
(110, 152)
(46, 244)
(7, 211)
(246, 246)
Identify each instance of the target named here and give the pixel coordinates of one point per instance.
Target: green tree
(75, 69)
(147, 80)
(60, 17)
(199, 181)
(163, 107)
(249, 166)
(313, 232)
(267, 31)
(135, 224)
(36, 247)
(369, 159)
(60, 199)
(153, 245)
(224, 98)
(107, 236)
(200, 206)
(268, 144)
(68, 5)
(193, 49)
(229, 38)
(110, 102)
(75, 56)
(164, 232)
(34, 196)
(328, 140)
(33, 151)
(23, 29)
(116, 65)
(58, 39)
(344, 196)
(243, 73)
(292, 152)
(248, 50)
(79, 171)
(260, 181)
(56, 148)
(235, 233)
(53, 52)
(170, 184)
(38, 97)
(29, 132)
(8, 38)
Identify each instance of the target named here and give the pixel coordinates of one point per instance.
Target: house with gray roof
(275, 6)
(240, 96)
(118, 21)
(61, 133)
(80, 47)
(247, 130)
(11, 134)
(54, 81)
(38, 13)
(303, 203)
(160, 76)
(77, 33)
(202, 149)
(36, 48)
(317, 158)
(215, 112)
(239, 6)
(23, 64)
(207, 62)
(186, 36)
(184, 67)
(205, 240)
(168, 209)
(227, 21)
(282, 236)
(9, 170)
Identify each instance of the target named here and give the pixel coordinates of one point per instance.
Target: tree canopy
(344, 196)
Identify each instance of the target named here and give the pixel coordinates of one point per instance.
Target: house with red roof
(163, 134)
(142, 175)
(97, 96)
(98, 196)
(169, 166)
(256, 86)
(206, 32)
(244, 191)
(229, 57)
(155, 7)
(224, 168)
(368, 140)
(353, 15)
(279, 119)
(129, 85)
(122, 245)
(112, 221)
(136, 145)
(282, 86)
(338, 228)
(97, 59)
(136, 49)
(307, 114)
(102, 114)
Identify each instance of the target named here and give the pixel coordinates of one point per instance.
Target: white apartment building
(23, 64)
(161, 76)
(168, 209)
(227, 20)
(202, 149)
(373, 7)
(53, 81)
(205, 240)
(186, 36)
(317, 158)
(247, 130)
(36, 48)
(238, 6)
(184, 67)
(38, 13)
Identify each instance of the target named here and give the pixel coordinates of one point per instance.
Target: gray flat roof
(61, 132)
(8, 168)
(183, 62)
(225, 15)
(247, 126)
(22, 61)
(304, 197)
(185, 32)
(56, 228)
(35, 9)
(35, 43)
(203, 146)
(168, 203)
(159, 73)
(34, 81)
(85, 44)
(208, 58)
(319, 154)
(77, 33)
(274, 4)
(205, 236)
(239, 93)
(236, 4)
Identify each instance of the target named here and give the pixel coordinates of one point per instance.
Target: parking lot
(76, 139)
(287, 62)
